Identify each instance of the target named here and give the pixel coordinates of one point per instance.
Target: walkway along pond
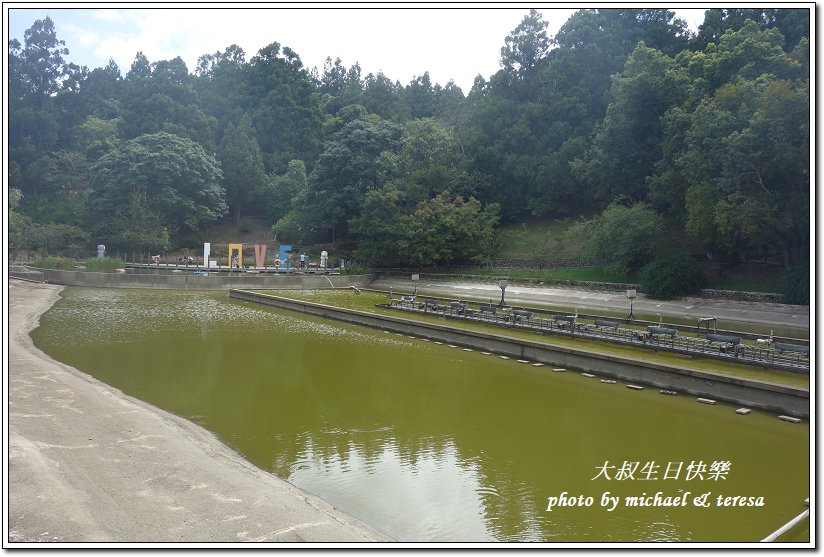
(439, 442)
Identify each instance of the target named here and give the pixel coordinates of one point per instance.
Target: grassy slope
(542, 240)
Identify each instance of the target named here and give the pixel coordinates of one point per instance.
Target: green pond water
(431, 443)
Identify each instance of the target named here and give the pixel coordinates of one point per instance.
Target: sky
(402, 41)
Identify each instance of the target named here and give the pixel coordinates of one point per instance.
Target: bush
(670, 275)
(625, 238)
(103, 264)
(795, 286)
(59, 262)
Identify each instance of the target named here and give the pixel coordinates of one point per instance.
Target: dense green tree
(346, 170)
(286, 192)
(281, 98)
(624, 238)
(241, 160)
(711, 131)
(96, 136)
(381, 96)
(37, 68)
(19, 225)
(750, 190)
(628, 142)
(419, 96)
(220, 85)
(734, 157)
(430, 161)
(38, 77)
(526, 46)
(523, 53)
(339, 87)
(743, 54)
(137, 228)
(65, 239)
(161, 97)
(792, 23)
(795, 287)
(180, 181)
(100, 92)
(439, 230)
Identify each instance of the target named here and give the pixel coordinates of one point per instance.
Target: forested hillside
(675, 140)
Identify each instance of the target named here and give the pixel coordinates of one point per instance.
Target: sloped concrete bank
(213, 281)
(89, 464)
(746, 392)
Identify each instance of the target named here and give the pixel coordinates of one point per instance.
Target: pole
(772, 537)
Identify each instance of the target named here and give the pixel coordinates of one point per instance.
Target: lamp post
(502, 284)
(631, 294)
(415, 279)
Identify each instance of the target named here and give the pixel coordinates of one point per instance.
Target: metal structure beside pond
(764, 353)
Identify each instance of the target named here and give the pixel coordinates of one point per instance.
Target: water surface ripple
(428, 442)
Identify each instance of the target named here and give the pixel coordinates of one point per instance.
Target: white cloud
(108, 15)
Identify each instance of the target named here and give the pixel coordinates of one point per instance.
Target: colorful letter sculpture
(260, 255)
(236, 255)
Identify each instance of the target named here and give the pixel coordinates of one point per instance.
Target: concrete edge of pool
(751, 393)
(190, 281)
(135, 473)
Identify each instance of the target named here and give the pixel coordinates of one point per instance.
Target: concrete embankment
(746, 392)
(87, 463)
(212, 281)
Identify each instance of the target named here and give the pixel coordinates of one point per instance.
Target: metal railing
(723, 347)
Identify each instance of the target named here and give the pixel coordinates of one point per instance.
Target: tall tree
(347, 169)
(221, 84)
(792, 23)
(526, 46)
(281, 97)
(161, 97)
(242, 164)
(38, 75)
(627, 143)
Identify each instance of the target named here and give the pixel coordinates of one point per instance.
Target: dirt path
(87, 463)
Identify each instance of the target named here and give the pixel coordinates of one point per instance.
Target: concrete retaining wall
(214, 281)
(746, 392)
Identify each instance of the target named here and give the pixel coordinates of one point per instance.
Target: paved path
(87, 463)
(758, 317)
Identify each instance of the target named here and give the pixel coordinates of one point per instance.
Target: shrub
(670, 275)
(59, 262)
(795, 286)
(103, 264)
(625, 238)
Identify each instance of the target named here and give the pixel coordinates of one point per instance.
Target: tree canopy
(623, 115)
